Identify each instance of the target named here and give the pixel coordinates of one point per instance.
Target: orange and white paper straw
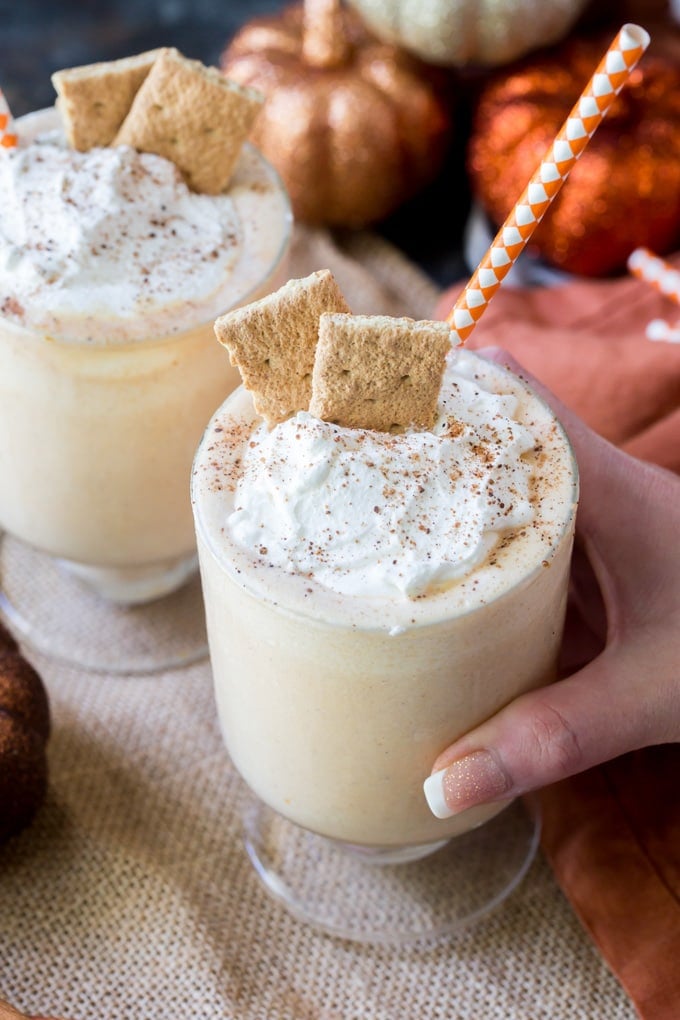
(655, 271)
(8, 138)
(609, 78)
(665, 280)
(659, 329)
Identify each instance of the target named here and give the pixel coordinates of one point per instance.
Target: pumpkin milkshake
(112, 269)
(373, 594)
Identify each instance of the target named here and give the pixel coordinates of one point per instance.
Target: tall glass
(96, 444)
(333, 707)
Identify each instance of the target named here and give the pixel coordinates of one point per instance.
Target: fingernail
(474, 779)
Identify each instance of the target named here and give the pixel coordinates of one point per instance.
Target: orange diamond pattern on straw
(8, 139)
(659, 329)
(609, 78)
(656, 271)
(664, 279)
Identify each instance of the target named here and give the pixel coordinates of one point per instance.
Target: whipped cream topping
(375, 514)
(111, 244)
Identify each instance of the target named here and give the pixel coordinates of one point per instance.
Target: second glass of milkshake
(113, 271)
(370, 597)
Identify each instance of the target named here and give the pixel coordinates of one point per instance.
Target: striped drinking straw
(8, 139)
(609, 78)
(656, 271)
(664, 279)
(659, 329)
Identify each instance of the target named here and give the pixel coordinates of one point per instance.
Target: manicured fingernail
(474, 779)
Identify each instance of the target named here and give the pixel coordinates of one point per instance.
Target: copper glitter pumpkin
(353, 126)
(625, 189)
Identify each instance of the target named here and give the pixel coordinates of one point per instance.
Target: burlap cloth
(131, 897)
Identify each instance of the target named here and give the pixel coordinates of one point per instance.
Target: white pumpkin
(460, 32)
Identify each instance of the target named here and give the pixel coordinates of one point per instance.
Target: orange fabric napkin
(612, 834)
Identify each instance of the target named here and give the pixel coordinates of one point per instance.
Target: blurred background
(488, 44)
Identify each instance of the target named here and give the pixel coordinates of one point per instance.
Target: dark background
(38, 37)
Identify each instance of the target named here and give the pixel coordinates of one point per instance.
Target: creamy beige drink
(370, 597)
(111, 274)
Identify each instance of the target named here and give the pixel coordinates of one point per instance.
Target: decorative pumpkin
(24, 729)
(353, 126)
(624, 192)
(8, 1012)
(456, 33)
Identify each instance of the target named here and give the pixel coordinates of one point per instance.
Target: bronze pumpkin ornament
(24, 730)
(353, 125)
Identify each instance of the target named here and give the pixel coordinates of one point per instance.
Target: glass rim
(51, 113)
(282, 604)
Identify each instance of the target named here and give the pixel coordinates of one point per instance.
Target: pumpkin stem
(324, 43)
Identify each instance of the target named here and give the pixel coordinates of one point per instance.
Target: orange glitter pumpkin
(625, 189)
(352, 125)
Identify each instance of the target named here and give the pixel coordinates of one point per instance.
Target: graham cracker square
(376, 372)
(194, 116)
(94, 99)
(272, 342)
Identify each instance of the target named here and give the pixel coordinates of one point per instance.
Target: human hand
(621, 648)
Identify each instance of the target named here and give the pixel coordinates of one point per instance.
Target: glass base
(414, 894)
(133, 586)
(100, 620)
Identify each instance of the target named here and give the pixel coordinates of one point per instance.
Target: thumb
(604, 710)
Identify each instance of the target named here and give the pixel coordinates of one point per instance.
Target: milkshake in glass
(111, 274)
(370, 597)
